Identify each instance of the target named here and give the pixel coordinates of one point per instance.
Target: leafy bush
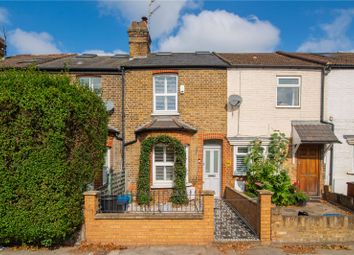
(179, 194)
(268, 172)
(52, 141)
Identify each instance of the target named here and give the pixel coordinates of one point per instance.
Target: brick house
(274, 92)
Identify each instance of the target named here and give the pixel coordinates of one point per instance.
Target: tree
(52, 142)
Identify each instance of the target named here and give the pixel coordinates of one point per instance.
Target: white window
(288, 92)
(165, 94)
(163, 166)
(187, 162)
(93, 83)
(106, 167)
(240, 154)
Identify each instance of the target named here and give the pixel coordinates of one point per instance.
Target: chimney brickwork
(139, 39)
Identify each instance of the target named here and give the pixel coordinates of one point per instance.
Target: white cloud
(222, 31)
(334, 37)
(32, 42)
(4, 16)
(104, 53)
(162, 22)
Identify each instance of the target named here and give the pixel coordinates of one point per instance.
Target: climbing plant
(179, 194)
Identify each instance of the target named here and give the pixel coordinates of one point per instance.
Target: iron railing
(159, 202)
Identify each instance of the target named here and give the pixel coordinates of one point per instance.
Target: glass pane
(171, 103)
(105, 173)
(159, 84)
(160, 103)
(169, 173)
(171, 84)
(158, 154)
(288, 96)
(242, 149)
(106, 159)
(288, 81)
(170, 154)
(85, 81)
(159, 173)
(96, 85)
(216, 161)
(241, 167)
(207, 161)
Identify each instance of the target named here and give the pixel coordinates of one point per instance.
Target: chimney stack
(139, 38)
(2, 48)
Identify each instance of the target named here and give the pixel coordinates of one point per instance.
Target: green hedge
(52, 141)
(179, 195)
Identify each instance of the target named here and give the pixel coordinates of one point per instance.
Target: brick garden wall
(161, 229)
(339, 199)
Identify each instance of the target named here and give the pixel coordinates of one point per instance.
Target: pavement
(215, 249)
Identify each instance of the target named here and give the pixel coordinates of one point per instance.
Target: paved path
(228, 224)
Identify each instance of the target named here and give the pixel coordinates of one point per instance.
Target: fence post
(90, 209)
(265, 215)
(208, 200)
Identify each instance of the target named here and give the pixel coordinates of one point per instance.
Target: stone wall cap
(91, 193)
(208, 193)
(265, 192)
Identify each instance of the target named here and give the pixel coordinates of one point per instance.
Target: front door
(212, 168)
(308, 168)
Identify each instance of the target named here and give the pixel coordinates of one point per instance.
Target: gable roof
(168, 59)
(335, 59)
(22, 61)
(265, 60)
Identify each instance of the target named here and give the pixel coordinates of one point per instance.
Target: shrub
(268, 172)
(52, 141)
(179, 194)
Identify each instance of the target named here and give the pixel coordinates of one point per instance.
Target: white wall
(258, 114)
(339, 105)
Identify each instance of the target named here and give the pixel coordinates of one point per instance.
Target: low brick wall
(157, 229)
(339, 199)
(257, 212)
(309, 229)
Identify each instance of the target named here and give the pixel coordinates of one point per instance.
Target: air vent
(202, 52)
(163, 53)
(120, 56)
(87, 56)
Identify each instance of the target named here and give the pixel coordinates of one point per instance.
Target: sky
(42, 27)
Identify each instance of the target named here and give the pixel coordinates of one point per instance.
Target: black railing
(159, 202)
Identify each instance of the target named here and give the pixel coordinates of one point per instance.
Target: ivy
(52, 142)
(179, 194)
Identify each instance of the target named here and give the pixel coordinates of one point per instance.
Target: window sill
(350, 173)
(162, 186)
(165, 114)
(239, 175)
(288, 107)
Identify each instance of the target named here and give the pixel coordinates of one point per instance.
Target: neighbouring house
(102, 75)
(271, 92)
(339, 111)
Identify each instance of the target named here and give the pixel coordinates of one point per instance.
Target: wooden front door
(308, 168)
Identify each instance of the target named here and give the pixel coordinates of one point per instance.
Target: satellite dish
(235, 100)
(109, 106)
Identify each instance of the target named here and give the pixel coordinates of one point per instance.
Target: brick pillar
(209, 214)
(265, 214)
(90, 210)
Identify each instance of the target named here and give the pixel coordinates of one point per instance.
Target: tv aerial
(152, 9)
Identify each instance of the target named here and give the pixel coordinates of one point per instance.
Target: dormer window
(93, 83)
(165, 94)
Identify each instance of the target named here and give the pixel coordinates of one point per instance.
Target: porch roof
(166, 123)
(313, 132)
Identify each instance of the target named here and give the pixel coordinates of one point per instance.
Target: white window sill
(162, 186)
(165, 114)
(288, 107)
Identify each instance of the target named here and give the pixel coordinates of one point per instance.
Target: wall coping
(91, 193)
(265, 192)
(144, 216)
(253, 200)
(208, 193)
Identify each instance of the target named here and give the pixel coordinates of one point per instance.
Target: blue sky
(224, 26)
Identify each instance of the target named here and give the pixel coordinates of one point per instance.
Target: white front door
(212, 168)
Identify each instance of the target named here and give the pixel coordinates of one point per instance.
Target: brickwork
(339, 199)
(139, 39)
(202, 106)
(164, 230)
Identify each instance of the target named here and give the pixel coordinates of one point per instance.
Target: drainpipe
(325, 71)
(123, 128)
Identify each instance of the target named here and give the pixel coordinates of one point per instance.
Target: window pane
(207, 161)
(288, 81)
(216, 161)
(160, 103)
(159, 84)
(158, 154)
(242, 149)
(96, 85)
(288, 96)
(85, 81)
(171, 84)
(169, 173)
(241, 167)
(170, 154)
(171, 103)
(159, 173)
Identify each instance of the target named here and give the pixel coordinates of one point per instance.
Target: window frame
(186, 148)
(165, 94)
(235, 153)
(161, 183)
(90, 85)
(288, 86)
(107, 166)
